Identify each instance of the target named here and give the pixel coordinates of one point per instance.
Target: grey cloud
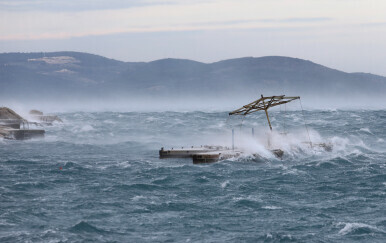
(287, 20)
(73, 6)
(376, 24)
(298, 20)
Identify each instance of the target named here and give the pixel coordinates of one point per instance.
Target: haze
(346, 35)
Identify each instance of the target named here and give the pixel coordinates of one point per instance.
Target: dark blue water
(113, 187)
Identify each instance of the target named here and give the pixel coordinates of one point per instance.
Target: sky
(349, 35)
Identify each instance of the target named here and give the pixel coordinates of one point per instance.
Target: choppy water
(113, 187)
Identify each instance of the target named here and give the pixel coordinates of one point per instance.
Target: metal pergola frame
(264, 103)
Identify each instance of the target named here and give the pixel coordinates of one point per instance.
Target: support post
(233, 139)
(253, 132)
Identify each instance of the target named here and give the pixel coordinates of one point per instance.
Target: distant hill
(61, 74)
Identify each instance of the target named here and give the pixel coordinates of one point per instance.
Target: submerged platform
(47, 119)
(207, 154)
(42, 119)
(23, 134)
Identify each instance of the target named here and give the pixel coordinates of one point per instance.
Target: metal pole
(233, 139)
(253, 132)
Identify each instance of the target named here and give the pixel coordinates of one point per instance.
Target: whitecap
(87, 128)
(3, 222)
(124, 164)
(224, 184)
(365, 129)
(271, 207)
(293, 171)
(108, 122)
(350, 227)
(136, 198)
(250, 198)
(151, 118)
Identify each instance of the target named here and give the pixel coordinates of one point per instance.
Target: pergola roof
(264, 103)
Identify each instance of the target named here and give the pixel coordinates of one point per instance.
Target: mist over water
(186, 101)
(98, 177)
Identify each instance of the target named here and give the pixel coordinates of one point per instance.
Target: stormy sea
(98, 177)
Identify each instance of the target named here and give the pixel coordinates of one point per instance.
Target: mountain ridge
(75, 53)
(59, 74)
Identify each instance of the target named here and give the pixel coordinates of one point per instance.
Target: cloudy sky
(349, 35)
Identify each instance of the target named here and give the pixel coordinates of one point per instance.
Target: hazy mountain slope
(56, 73)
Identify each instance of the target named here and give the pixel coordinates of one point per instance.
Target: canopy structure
(264, 103)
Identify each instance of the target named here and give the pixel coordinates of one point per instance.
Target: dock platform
(204, 154)
(207, 154)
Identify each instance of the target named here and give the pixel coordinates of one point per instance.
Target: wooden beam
(266, 112)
